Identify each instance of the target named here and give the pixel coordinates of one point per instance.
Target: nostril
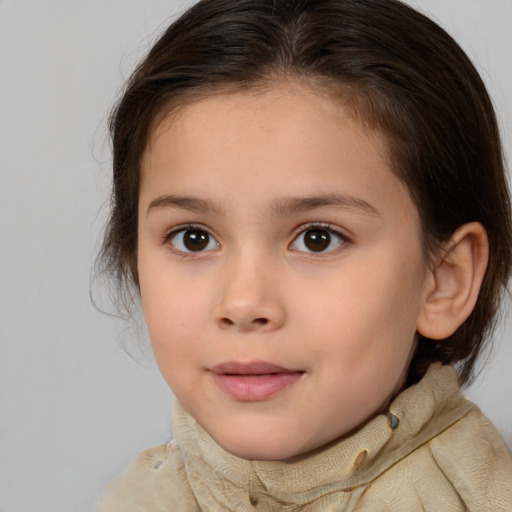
(243, 324)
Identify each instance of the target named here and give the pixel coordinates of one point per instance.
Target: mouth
(254, 382)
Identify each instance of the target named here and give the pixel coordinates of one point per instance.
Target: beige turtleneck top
(434, 451)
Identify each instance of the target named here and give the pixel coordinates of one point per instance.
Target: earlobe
(456, 281)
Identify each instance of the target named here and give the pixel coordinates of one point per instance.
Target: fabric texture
(434, 451)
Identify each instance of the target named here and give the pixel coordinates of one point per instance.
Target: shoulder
(465, 467)
(474, 458)
(151, 482)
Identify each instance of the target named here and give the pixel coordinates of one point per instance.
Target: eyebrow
(286, 206)
(192, 204)
(299, 204)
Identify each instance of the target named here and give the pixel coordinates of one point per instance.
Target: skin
(344, 318)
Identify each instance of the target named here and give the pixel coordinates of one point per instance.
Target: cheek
(171, 317)
(173, 330)
(369, 312)
(174, 313)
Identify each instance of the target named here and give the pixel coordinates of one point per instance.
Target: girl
(310, 198)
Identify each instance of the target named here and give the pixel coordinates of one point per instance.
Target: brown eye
(318, 240)
(193, 240)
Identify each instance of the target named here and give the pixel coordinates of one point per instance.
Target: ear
(455, 282)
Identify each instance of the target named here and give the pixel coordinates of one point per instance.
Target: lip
(253, 382)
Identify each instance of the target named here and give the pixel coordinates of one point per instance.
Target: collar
(417, 415)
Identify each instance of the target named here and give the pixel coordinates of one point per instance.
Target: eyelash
(168, 238)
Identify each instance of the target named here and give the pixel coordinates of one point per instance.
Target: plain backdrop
(75, 408)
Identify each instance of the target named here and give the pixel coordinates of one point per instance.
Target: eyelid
(187, 225)
(327, 226)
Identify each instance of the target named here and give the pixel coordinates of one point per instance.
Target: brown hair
(394, 67)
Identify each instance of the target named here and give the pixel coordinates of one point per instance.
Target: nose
(249, 299)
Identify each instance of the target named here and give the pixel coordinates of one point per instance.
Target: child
(310, 198)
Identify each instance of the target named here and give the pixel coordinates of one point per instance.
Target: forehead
(299, 113)
(285, 140)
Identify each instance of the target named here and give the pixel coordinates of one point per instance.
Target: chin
(263, 453)
(273, 448)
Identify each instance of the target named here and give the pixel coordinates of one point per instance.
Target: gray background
(74, 407)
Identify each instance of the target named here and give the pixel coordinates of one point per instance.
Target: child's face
(281, 270)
